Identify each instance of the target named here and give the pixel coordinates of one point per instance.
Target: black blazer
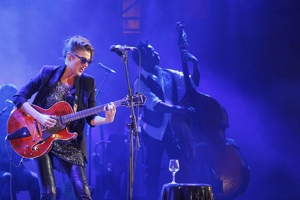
(45, 81)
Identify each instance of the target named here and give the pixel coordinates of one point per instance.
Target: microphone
(115, 48)
(9, 102)
(106, 68)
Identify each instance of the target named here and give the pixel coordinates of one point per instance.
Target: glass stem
(173, 173)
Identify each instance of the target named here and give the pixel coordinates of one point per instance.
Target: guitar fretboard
(88, 112)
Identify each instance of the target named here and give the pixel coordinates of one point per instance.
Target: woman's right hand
(47, 120)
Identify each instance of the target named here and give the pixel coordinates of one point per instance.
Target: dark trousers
(76, 174)
(154, 150)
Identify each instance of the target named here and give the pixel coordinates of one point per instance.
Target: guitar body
(37, 144)
(30, 139)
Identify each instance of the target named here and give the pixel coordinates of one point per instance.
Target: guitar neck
(88, 112)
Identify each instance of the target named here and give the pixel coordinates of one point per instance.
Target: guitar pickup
(20, 133)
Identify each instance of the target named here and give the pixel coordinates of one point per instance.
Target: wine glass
(173, 167)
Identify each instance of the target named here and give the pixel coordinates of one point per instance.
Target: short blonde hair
(76, 43)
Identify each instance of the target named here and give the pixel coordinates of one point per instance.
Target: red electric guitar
(30, 139)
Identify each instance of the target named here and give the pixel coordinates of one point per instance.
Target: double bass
(211, 158)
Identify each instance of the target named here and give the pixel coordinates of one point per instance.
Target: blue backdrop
(248, 53)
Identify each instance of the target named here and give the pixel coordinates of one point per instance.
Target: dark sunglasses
(83, 59)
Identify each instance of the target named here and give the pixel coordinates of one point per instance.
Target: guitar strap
(77, 89)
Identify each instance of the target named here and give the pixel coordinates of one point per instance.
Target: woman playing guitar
(54, 84)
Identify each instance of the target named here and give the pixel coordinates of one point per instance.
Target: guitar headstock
(137, 99)
(182, 40)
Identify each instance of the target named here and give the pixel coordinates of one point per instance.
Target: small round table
(186, 191)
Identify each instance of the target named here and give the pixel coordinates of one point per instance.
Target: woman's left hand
(110, 113)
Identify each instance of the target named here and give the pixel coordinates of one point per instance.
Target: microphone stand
(88, 128)
(3, 111)
(11, 104)
(132, 126)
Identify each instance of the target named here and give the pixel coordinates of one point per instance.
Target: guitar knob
(37, 149)
(24, 152)
(33, 140)
(27, 146)
(31, 154)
